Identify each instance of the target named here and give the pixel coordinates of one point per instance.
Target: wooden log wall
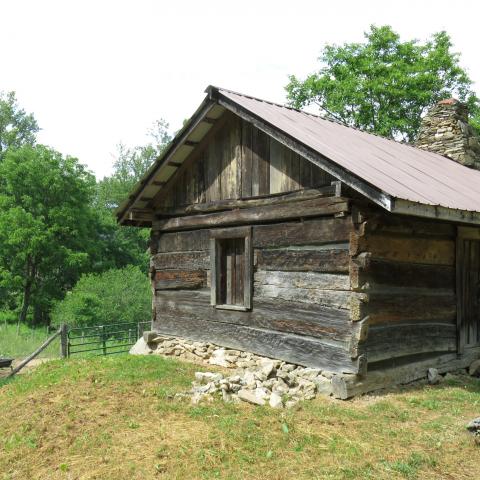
(302, 294)
(240, 161)
(406, 269)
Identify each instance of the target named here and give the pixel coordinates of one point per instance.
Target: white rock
(474, 369)
(275, 400)
(433, 376)
(140, 348)
(250, 397)
(218, 358)
(324, 385)
(308, 373)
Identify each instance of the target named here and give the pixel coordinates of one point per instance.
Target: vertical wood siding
(241, 161)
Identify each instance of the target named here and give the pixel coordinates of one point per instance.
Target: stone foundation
(254, 379)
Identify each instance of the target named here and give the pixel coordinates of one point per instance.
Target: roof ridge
(331, 120)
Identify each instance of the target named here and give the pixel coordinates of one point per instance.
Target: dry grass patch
(115, 418)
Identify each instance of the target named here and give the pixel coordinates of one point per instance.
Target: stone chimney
(445, 130)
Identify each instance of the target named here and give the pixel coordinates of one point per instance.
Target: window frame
(216, 236)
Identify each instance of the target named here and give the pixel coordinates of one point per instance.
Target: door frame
(463, 233)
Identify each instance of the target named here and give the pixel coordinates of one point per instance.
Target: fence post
(104, 340)
(64, 340)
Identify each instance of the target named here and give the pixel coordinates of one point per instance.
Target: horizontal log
(305, 208)
(405, 249)
(288, 317)
(388, 308)
(410, 370)
(263, 200)
(326, 260)
(303, 280)
(180, 279)
(410, 339)
(181, 261)
(302, 350)
(368, 272)
(308, 232)
(381, 222)
(196, 240)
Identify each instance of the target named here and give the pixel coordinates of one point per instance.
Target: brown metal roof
(400, 170)
(399, 177)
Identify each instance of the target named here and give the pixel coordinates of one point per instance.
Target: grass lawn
(115, 418)
(20, 344)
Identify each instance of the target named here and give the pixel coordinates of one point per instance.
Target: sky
(97, 73)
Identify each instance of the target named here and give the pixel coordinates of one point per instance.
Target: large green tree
(17, 127)
(47, 226)
(384, 85)
(128, 245)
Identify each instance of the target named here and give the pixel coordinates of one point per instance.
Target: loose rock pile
(255, 379)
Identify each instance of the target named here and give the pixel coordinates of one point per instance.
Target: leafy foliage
(114, 296)
(46, 225)
(384, 85)
(17, 128)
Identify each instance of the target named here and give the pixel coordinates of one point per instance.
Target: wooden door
(468, 288)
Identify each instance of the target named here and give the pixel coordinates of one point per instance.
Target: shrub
(114, 296)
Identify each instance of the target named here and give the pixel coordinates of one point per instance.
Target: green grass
(20, 344)
(117, 418)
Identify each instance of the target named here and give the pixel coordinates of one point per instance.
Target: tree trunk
(25, 303)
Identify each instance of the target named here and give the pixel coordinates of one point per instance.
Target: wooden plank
(388, 308)
(405, 249)
(303, 280)
(409, 339)
(181, 261)
(307, 208)
(308, 232)
(326, 260)
(302, 350)
(247, 159)
(264, 200)
(260, 162)
(196, 240)
(289, 317)
(368, 272)
(180, 279)
(276, 167)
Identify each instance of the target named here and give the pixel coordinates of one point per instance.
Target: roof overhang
(138, 210)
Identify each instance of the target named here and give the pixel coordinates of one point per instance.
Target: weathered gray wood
(348, 386)
(306, 208)
(181, 261)
(64, 340)
(388, 308)
(308, 232)
(326, 260)
(180, 279)
(298, 349)
(184, 241)
(370, 272)
(303, 280)
(431, 251)
(289, 317)
(411, 339)
(259, 201)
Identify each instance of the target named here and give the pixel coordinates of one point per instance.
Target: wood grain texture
(306, 208)
(430, 251)
(290, 317)
(333, 260)
(181, 261)
(180, 279)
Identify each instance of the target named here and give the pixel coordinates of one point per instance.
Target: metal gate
(104, 339)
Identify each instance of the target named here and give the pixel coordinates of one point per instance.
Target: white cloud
(99, 72)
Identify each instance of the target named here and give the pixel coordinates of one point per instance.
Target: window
(231, 268)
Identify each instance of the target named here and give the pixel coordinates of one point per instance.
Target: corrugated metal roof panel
(400, 170)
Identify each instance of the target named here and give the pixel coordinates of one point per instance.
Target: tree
(128, 245)
(384, 85)
(47, 225)
(17, 128)
(114, 296)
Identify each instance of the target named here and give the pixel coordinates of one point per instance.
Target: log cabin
(285, 234)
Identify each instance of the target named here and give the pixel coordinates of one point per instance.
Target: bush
(115, 296)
